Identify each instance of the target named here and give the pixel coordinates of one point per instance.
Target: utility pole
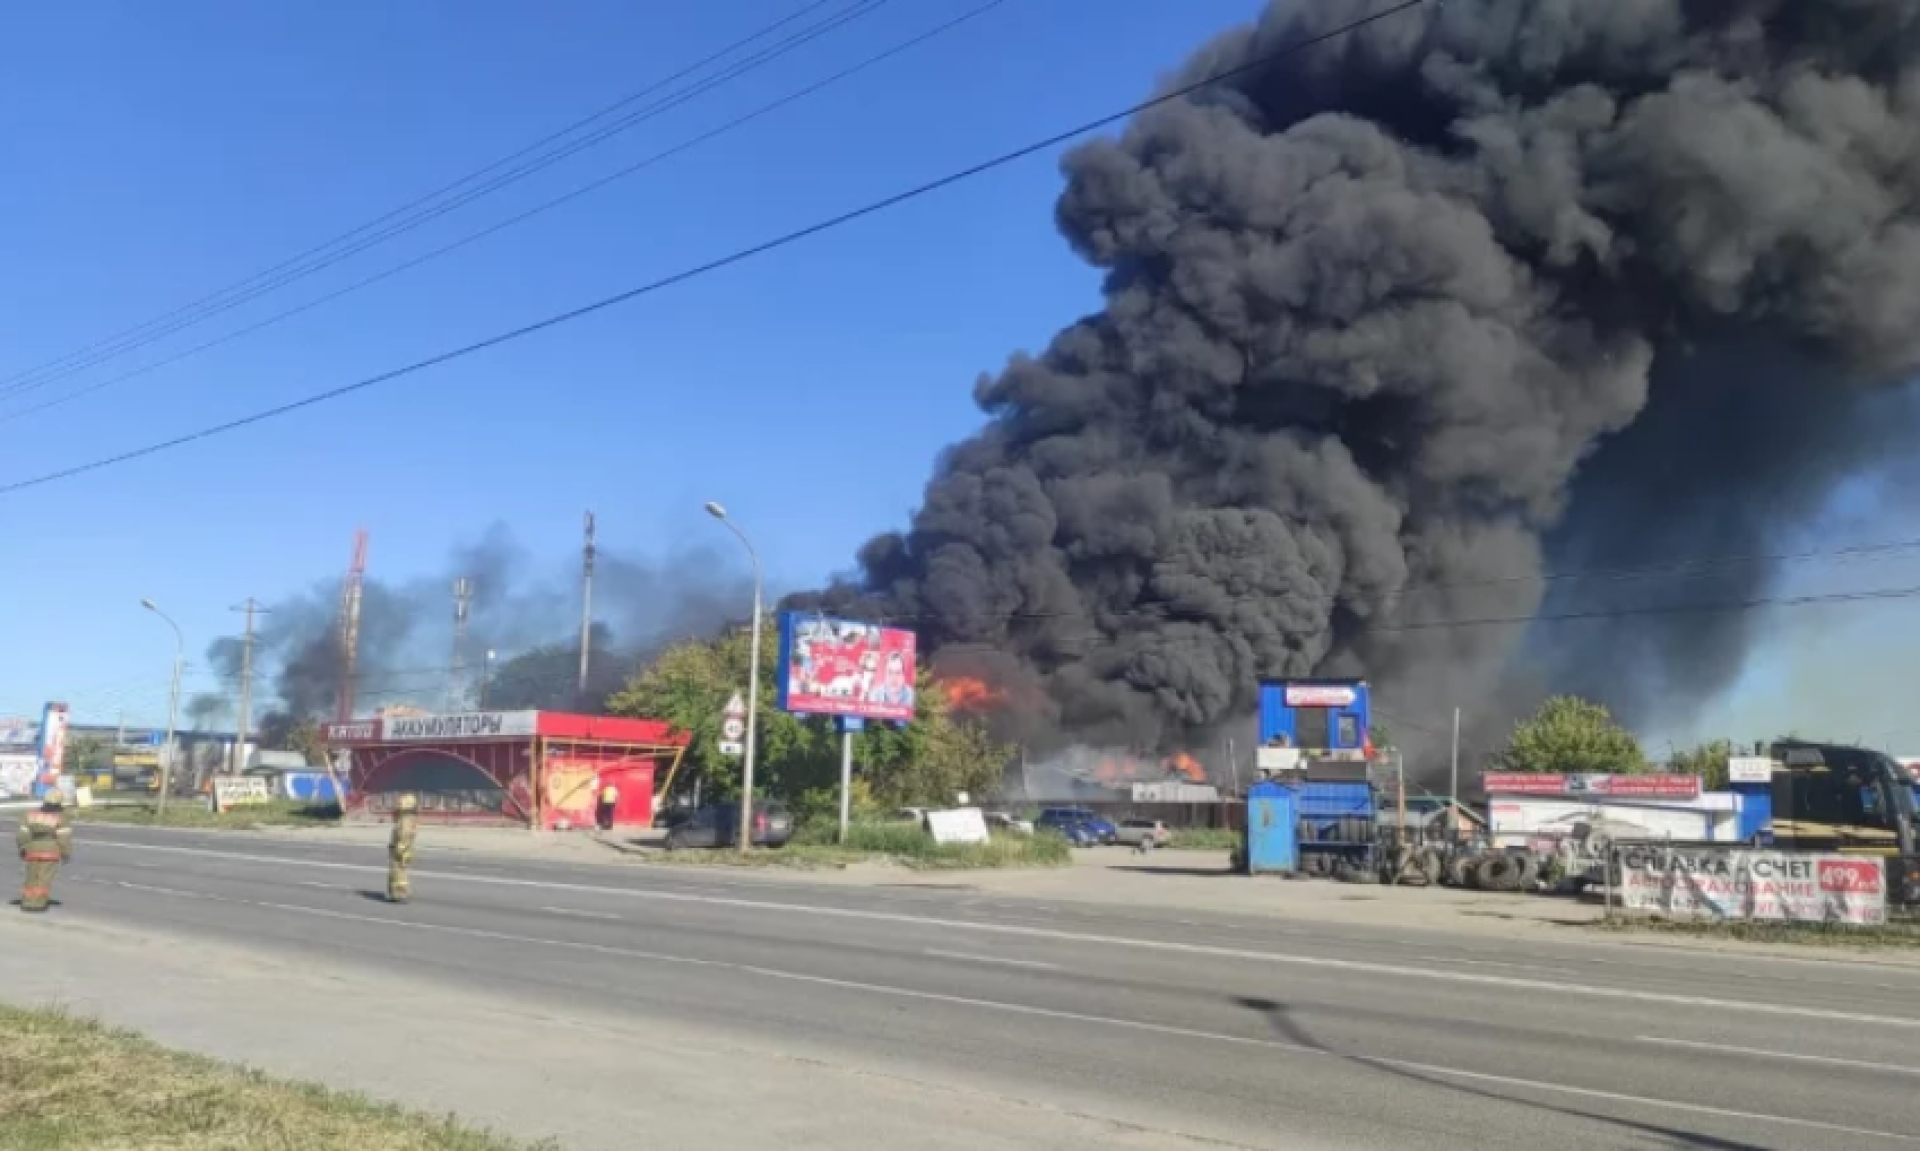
(1453, 779)
(252, 608)
(586, 605)
(457, 669)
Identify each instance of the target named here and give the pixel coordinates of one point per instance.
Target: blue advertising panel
(844, 668)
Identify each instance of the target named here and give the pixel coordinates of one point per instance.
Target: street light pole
(173, 700)
(753, 681)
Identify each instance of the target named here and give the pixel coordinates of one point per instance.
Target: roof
(502, 726)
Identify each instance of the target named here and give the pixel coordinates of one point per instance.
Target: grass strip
(67, 1084)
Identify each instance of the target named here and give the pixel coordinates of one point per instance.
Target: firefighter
(406, 818)
(46, 842)
(609, 799)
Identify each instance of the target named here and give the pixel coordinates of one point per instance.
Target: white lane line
(1273, 1045)
(578, 914)
(321, 886)
(1757, 1053)
(971, 958)
(1495, 963)
(1326, 963)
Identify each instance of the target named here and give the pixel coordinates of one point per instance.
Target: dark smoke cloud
(1400, 323)
(527, 612)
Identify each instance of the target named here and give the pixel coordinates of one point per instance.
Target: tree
(926, 761)
(1708, 761)
(1573, 735)
(86, 752)
(304, 737)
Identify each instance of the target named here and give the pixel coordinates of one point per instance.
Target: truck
(1850, 800)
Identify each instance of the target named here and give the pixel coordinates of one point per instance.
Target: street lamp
(173, 700)
(486, 679)
(753, 681)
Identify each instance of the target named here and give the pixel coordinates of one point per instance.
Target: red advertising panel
(839, 667)
(1612, 786)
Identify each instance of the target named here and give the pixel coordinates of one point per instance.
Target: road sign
(730, 747)
(733, 729)
(736, 705)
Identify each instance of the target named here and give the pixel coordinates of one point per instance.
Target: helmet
(407, 803)
(54, 801)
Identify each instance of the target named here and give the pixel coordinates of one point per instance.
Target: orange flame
(1188, 766)
(965, 693)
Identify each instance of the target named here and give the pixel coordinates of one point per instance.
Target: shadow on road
(1286, 1027)
(1143, 869)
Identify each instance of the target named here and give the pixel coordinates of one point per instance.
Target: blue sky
(160, 152)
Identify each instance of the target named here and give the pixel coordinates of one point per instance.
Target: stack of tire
(1505, 871)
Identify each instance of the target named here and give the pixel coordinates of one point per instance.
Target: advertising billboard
(1599, 784)
(839, 667)
(1747, 884)
(53, 748)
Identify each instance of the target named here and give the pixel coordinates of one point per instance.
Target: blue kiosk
(1294, 820)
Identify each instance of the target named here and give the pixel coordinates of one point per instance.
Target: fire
(965, 693)
(1186, 765)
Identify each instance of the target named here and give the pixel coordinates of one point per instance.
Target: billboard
(839, 667)
(1602, 785)
(53, 748)
(1721, 883)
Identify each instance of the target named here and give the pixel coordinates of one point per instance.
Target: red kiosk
(539, 769)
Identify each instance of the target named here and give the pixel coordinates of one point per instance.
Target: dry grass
(70, 1085)
(1898, 934)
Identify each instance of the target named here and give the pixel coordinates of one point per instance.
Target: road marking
(1274, 1045)
(1723, 1049)
(1327, 963)
(971, 958)
(581, 914)
(322, 886)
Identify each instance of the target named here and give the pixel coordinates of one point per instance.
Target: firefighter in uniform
(46, 842)
(406, 817)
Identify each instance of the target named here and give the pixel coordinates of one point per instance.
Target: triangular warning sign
(737, 705)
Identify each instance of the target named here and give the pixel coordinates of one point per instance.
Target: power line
(592, 186)
(736, 257)
(398, 221)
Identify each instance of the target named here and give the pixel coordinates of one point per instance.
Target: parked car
(1003, 821)
(1076, 834)
(717, 825)
(1060, 818)
(1134, 832)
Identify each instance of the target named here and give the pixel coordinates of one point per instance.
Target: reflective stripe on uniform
(42, 857)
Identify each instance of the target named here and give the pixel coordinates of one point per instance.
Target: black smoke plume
(526, 612)
(1402, 323)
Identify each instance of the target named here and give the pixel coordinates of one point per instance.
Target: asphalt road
(1249, 1032)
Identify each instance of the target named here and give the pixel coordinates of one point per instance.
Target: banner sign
(53, 747)
(1609, 786)
(357, 731)
(17, 774)
(231, 791)
(839, 667)
(1319, 695)
(1738, 883)
(468, 725)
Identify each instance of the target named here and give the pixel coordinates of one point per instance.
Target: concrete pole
(846, 779)
(173, 701)
(753, 680)
(1453, 779)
